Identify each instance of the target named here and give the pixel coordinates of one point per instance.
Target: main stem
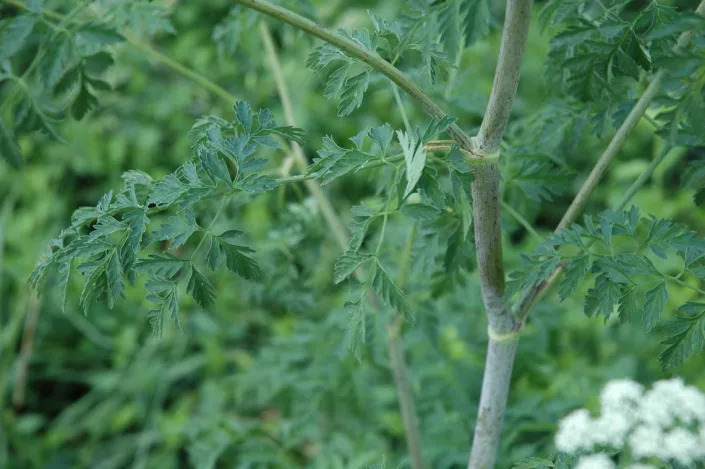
(502, 328)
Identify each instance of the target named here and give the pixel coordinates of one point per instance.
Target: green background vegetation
(265, 378)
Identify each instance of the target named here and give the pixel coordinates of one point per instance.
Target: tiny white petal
(595, 461)
(682, 446)
(575, 432)
(646, 441)
(619, 393)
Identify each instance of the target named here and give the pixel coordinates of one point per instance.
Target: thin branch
(372, 59)
(643, 177)
(521, 220)
(336, 225)
(30, 328)
(201, 80)
(530, 296)
(405, 393)
(576, 207)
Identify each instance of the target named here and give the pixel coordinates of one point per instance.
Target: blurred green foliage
(265, 377)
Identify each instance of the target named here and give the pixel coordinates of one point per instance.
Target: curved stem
(334, 222)
(402, 383)
(370, 58)
(201, 80)
(530, 296)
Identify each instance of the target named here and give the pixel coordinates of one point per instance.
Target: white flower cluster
(666, 423)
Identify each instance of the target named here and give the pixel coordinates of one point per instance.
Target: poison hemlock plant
(613, 62)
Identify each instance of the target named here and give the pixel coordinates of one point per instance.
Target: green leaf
(347, 264)
(92, 38)
(84, 102)
(335, 161)
(103, 280)
(336, 80)
(414, 158)
(353, 91)
(607, 293)
(34, 5)
(68, 80)
(163, 293)
(167, 191)
(538, 180)
(13, 34)
(54, 63)
(654, 304)
(383, 136)
(214, 166)
(389, 291)
(420, 212)
(257, 183)
(359, 224)
(9, 149)
(611, 269)
(476, 14)
(685, 335)
(628, 307)
(244, 115)
(97, 63)
(163, 265)
(201, 289)
(64, 273)
(177, 229)
(574, 275)
(237, 258)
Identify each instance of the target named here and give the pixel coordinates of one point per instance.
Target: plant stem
(405, 394)
(520, 218)
(182, 69)
(335, 224)
(372, 59)
(643, 177)
(30, 327)
(578, 203)
(502, 329)
(531, 296)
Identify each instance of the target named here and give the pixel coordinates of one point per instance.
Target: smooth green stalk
(643, 177)
(201, 80)
(356, 50)
(530, 297)
(327, 210)
(520, 218)
(405, 394)
(578, 203)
